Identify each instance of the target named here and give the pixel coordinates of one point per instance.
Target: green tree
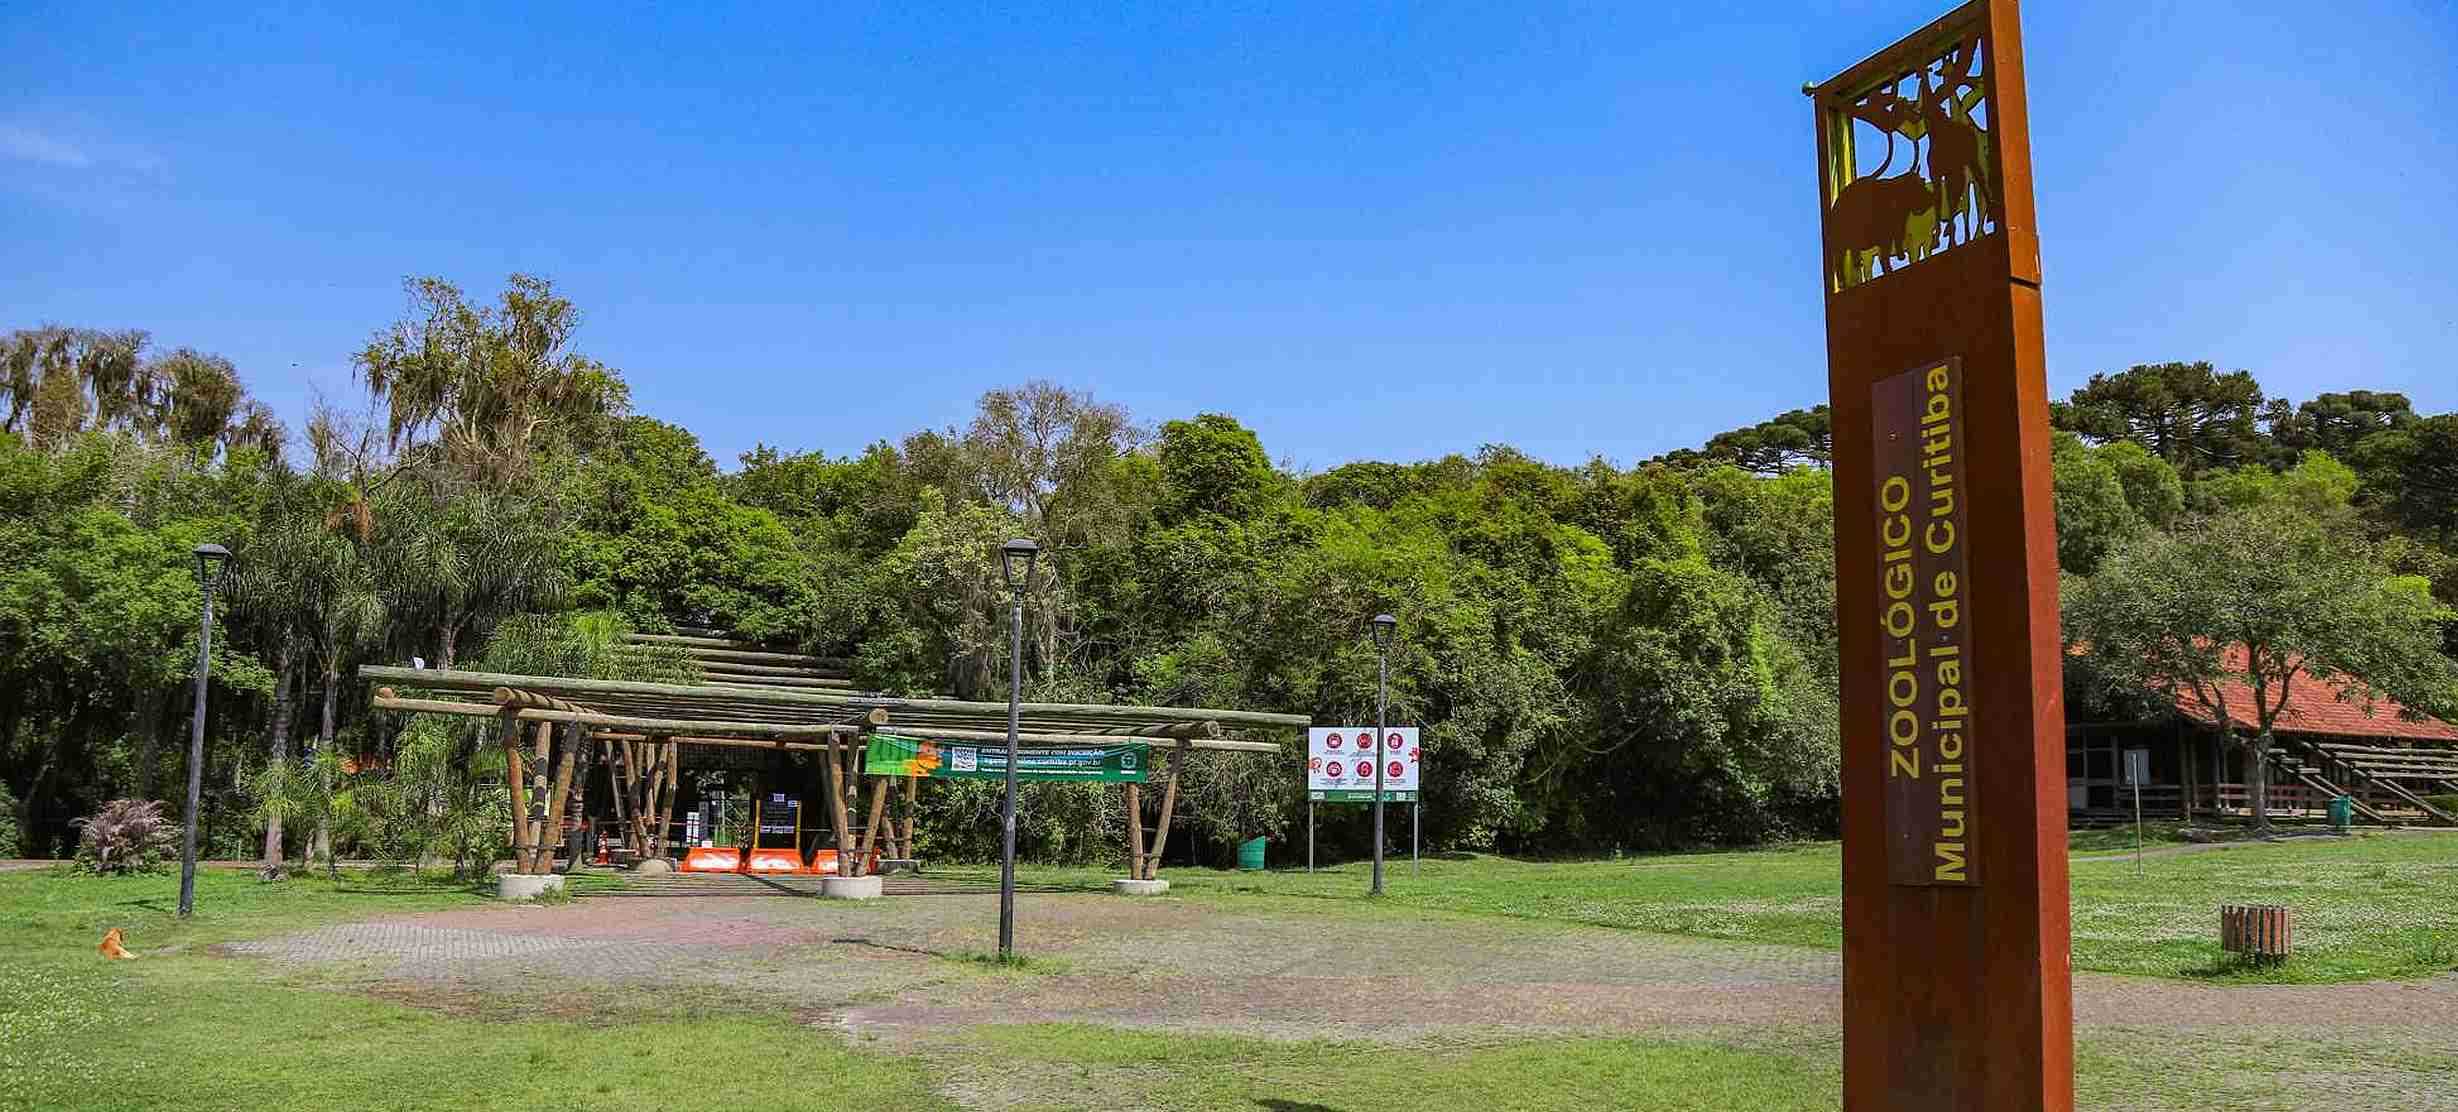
(1213, 465)
(1800, 437)
(489, 386)
(2340, 423)
(2186, 413)
(2094, 516)
(2265, 599)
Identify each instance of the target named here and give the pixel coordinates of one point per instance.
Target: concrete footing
(849, 888)
(653, 866)
(526, 886)
(1125, 887)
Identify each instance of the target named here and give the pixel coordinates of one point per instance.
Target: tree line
(1603, 658)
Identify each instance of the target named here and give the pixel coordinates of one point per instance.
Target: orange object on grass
(774, 860)
(824, 862)
(713, 859)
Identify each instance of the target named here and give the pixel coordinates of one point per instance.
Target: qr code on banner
(964, 760)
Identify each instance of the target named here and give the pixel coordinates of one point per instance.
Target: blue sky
(1390, 231)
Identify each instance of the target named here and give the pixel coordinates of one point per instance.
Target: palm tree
(306, 583)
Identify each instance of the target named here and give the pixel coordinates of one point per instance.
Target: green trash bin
(1250, 854)
(2342, 811)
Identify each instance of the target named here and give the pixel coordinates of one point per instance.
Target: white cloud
(19, 143)
(33, 146)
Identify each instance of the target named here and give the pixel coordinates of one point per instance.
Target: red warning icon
(1391, 740)
(1331, 741)
(1396, 769)
(1365, 768)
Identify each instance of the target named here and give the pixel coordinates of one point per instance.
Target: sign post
(1344, 765)
(1956, 963)
(2137, 770)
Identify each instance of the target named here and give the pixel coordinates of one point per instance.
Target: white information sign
(1340, 763)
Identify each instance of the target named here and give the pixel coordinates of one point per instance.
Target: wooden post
(870, 831)
(674, 782)
(1169, 808)
(836, 804)
(1134, 832)
(516, 779)
(608, 754)
(556, 802)
(1957, 982)
(542, 782)
(913, 803)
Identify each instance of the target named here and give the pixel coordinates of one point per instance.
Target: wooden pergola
(754, 697)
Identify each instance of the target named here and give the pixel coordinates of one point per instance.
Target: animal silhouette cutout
(1958, 149)
(1943, 194)
(1882, 216)
(112, 948)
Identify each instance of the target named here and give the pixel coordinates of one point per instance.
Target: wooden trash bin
(2260, 932)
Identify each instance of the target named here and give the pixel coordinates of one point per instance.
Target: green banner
(890, 755)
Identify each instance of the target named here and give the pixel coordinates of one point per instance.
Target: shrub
(2447, 803)
(8, 824)
(126, 836)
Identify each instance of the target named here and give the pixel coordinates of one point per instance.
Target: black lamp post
(210, 561)
(1384, 626)
(1016, 557)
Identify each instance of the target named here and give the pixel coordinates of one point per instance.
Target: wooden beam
(1088, 740)
(711, 654)
(595, 718)
(719, 679)
(1101, 713)
(737, 668)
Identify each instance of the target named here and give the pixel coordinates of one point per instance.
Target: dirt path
(1168, 963)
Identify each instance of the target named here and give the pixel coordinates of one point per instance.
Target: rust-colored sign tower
(1957, 985)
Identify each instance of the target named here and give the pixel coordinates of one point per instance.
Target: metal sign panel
(889, 755)
(1922, 580)
(1340, 764)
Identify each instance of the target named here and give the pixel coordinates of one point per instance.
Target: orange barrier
(774, 860)
(713, 859)
(824, 862)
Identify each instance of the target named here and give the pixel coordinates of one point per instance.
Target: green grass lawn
(2368, 907)
(1183, 1071)
(182, 1029)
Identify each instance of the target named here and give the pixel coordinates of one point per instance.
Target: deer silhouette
(1879, 216)
(1958, 150)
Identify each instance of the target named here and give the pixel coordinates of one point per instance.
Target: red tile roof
(2315, 707)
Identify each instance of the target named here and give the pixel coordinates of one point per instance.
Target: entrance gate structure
(1956, 962)
(748, 696)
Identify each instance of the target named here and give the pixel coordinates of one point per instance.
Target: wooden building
(2390, 760)
(578, 748)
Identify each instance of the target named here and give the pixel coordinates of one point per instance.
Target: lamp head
(1384, 626)
(1017, 557)
(211, 559)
